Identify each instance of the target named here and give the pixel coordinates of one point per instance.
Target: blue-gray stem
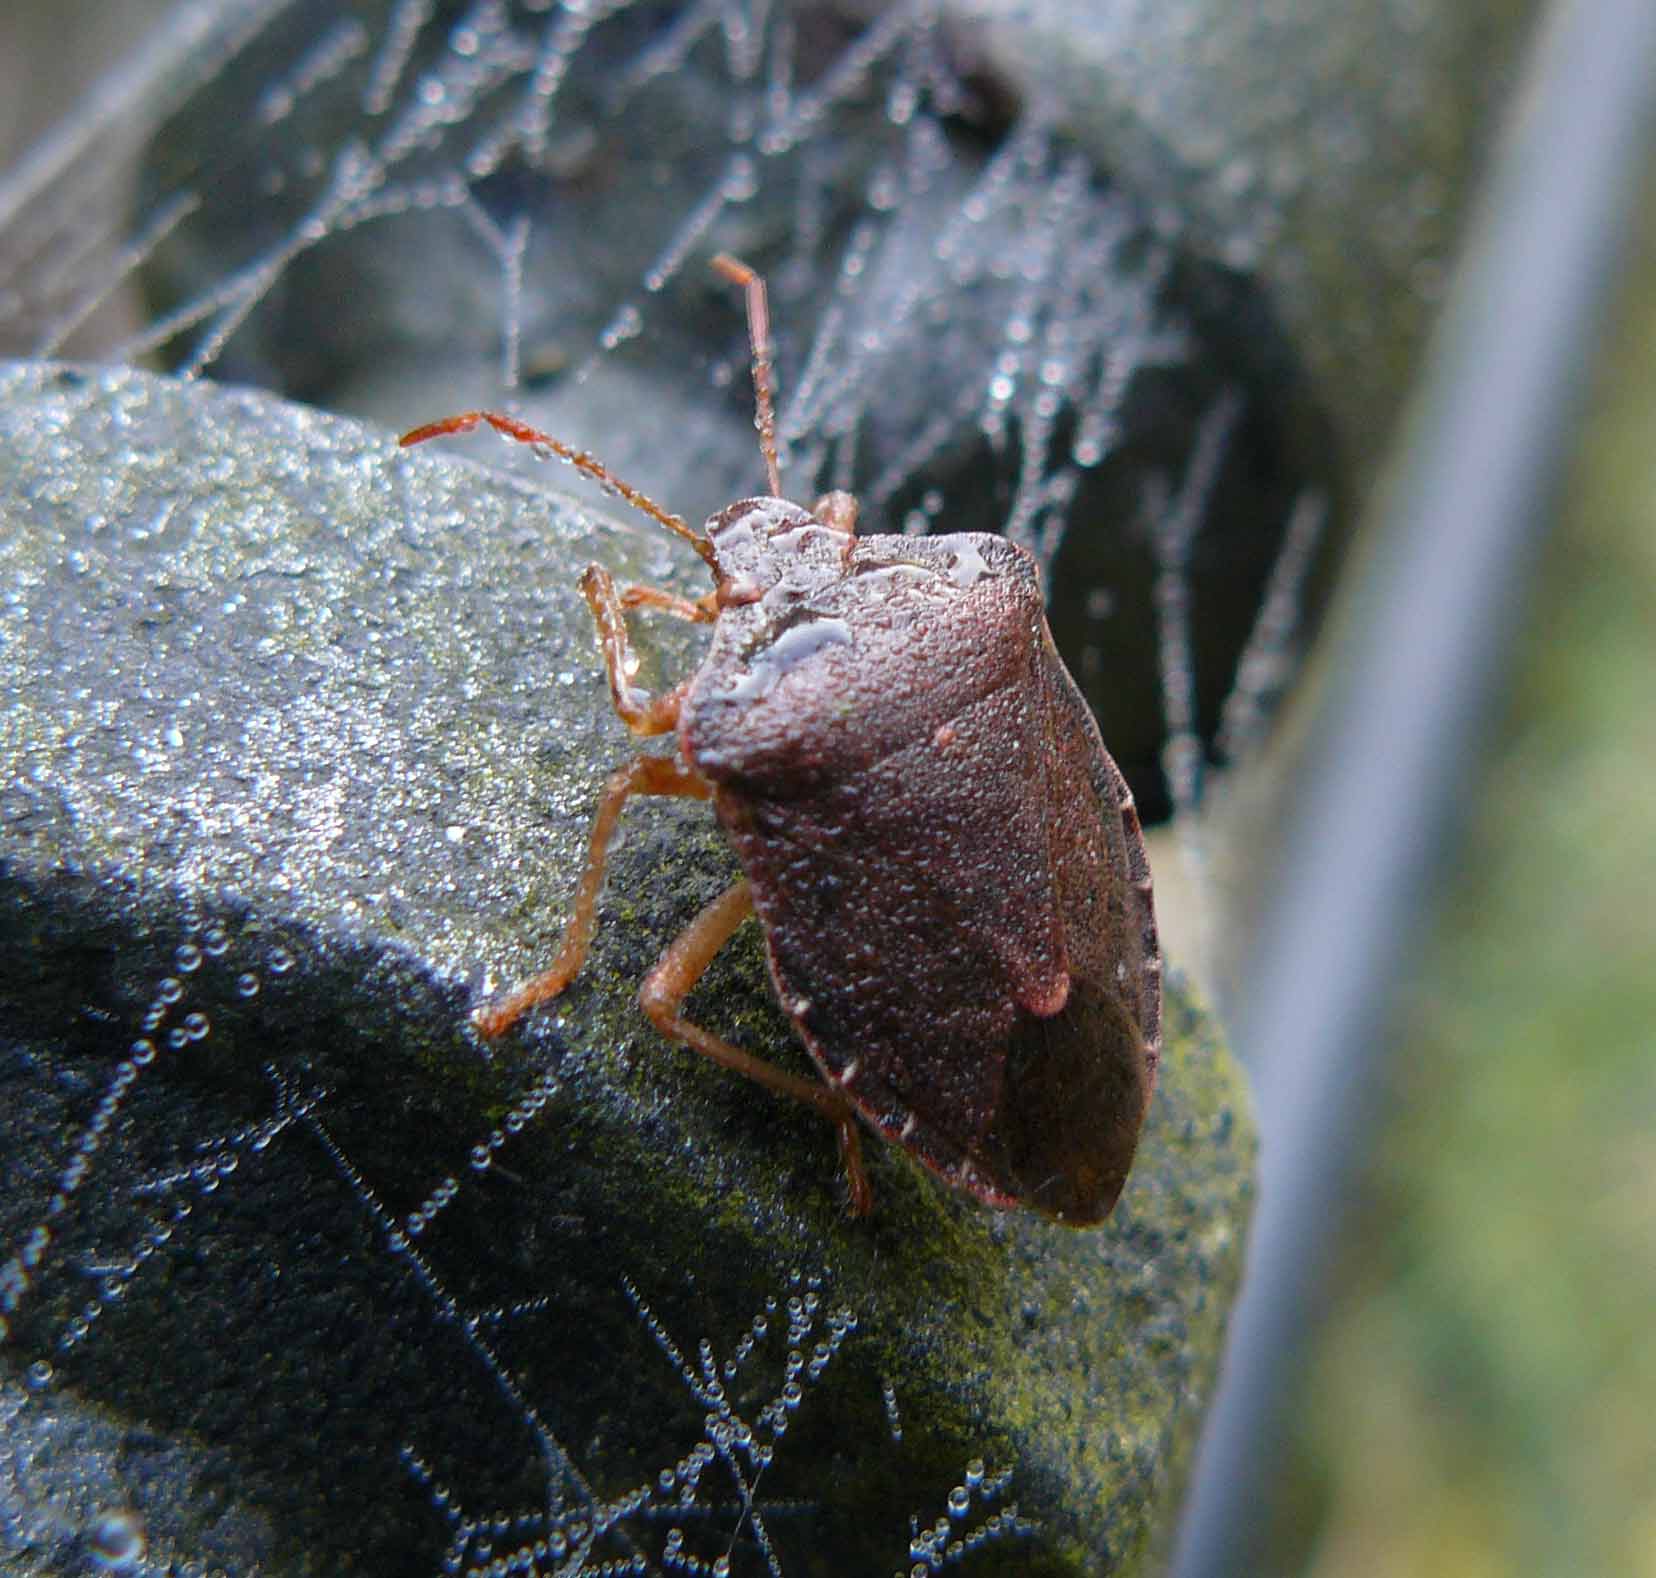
(1424, 639)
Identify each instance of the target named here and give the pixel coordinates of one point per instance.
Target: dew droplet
(115, 1543)
(216, 943)
(247, 984)
(187, 957)
(143, 1052)
(196, 1026)
(626, 325)
(280, 961)
(38, 1376)
(170, 989)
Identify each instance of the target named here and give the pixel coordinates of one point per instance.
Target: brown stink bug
(947, 864)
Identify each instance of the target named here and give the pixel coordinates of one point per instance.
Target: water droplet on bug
(187, 957)
(247, 984)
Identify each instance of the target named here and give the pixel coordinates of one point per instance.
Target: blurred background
(1477, 1390)
(1478, 1394)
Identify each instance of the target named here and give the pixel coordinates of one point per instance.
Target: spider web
(396, 208)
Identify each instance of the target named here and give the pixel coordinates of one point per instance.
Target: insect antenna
(758, 316)
(580, 459)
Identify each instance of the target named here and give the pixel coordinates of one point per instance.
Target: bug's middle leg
(662, 999)
(654, 775)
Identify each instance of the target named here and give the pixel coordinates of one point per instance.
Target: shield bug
(946, 863)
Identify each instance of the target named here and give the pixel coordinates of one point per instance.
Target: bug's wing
(1101, 869)
(917, 932)
(936, 846)
(1077, 1083)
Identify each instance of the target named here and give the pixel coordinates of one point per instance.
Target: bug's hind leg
(652, 775)
(662, 999)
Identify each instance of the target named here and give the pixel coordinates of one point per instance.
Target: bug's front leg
(641, 712)
(656, 775)
(703, 610)
(653, 775)
(662, 999)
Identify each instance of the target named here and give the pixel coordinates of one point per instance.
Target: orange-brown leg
(659, 775)
(641, 712)
(702, 610)
(838, 512)
(671, 981)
